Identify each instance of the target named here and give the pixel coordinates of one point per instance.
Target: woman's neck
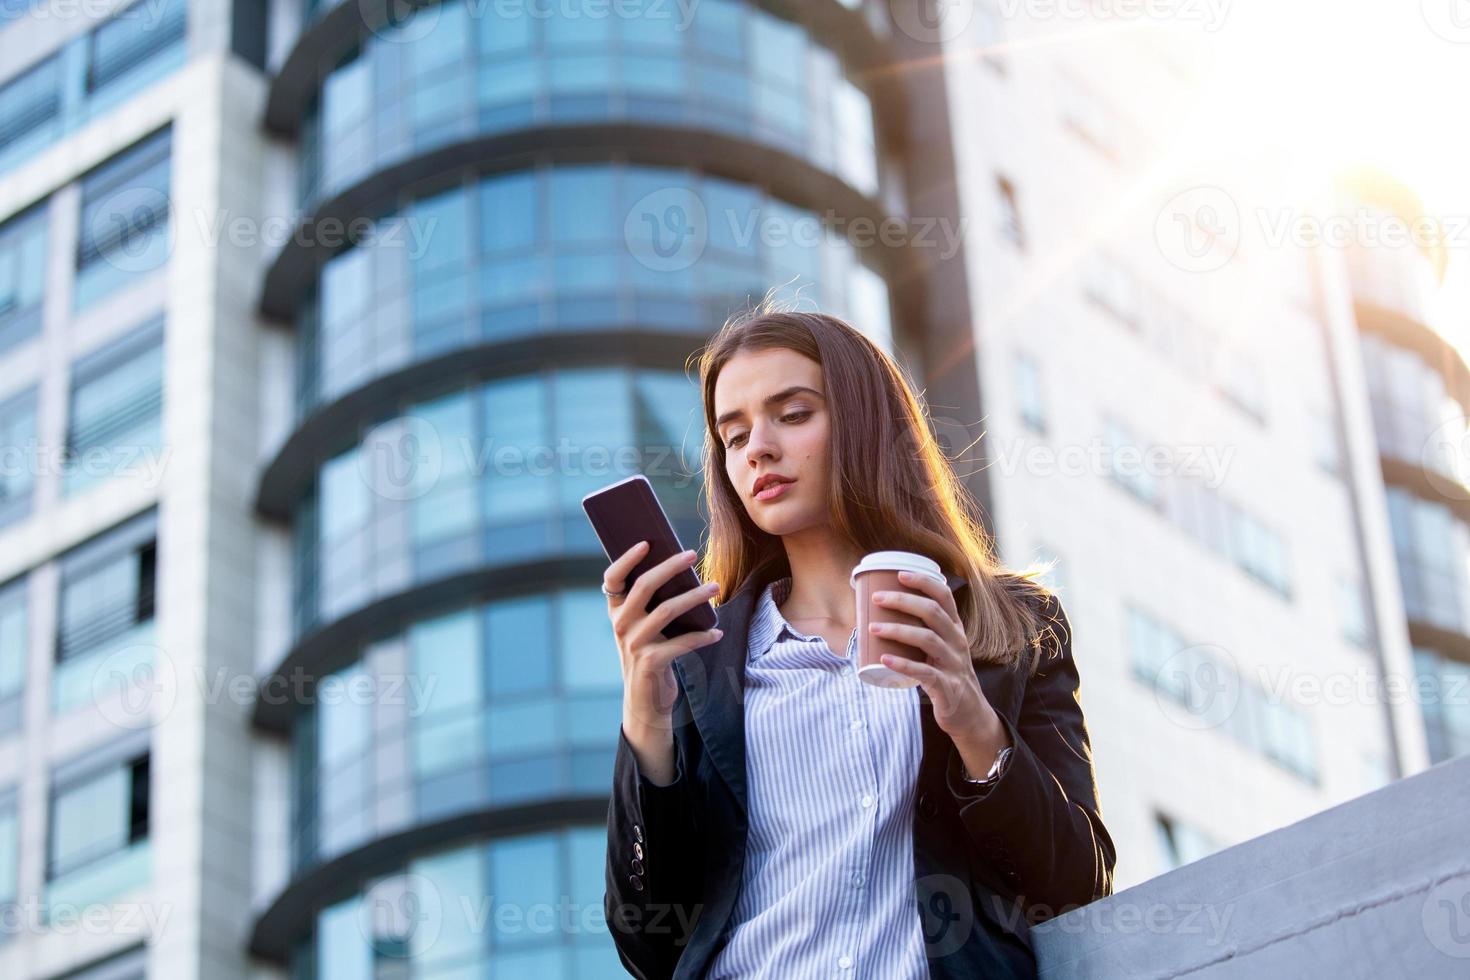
(821, 591)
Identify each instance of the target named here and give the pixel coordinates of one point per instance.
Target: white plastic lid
(895, 561)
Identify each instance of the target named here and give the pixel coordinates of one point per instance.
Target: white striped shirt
(832, 763)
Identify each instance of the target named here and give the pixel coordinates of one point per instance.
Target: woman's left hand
(960, 706)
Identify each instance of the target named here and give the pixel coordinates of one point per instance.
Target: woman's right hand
(649, 687)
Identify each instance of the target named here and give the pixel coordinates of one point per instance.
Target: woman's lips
(774, 490)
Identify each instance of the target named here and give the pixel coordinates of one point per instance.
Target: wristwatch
(996, 768)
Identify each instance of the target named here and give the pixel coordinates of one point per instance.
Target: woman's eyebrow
(779, 396)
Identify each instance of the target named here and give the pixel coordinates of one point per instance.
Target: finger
(645, 584)
(670, 609)
(930, 679)
(934, 589)
(920, 637)
(928, 610)
(616, 575)
(680, 645)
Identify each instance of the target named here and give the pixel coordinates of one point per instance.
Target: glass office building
(318, 320)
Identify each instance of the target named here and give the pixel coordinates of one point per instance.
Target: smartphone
(627, 512)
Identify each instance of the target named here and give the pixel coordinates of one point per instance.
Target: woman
(773, 815)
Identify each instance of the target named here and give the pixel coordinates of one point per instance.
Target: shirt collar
(767, 625)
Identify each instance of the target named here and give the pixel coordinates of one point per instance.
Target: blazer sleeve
(651, 912)
(1039, 822)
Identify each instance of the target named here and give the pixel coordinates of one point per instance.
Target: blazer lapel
(713, 677)
(714, 682)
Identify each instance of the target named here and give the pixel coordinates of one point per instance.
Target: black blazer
(986, 865)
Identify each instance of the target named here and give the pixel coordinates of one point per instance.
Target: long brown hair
(891, 485)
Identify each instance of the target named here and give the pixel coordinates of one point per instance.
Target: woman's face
(772, 417)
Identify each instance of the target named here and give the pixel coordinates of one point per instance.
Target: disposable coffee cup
(878, 572)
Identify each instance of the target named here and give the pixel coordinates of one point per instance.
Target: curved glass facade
(529, 905)
(515, 699)
(1432, 546)
(452, 71)
(492, 473)
(551, 249)
(1415, 417)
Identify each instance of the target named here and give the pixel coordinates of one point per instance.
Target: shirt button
(845, 962)
(857, 877)
(867, 800)
(855, 725)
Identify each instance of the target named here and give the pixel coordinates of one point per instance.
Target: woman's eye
(731, 443)
(795, 415)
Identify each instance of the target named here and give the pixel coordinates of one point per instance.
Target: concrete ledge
(1378, 886)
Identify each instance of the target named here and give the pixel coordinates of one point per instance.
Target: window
(1010, 212)
(1352, 603)
(1446, 703)
(1244, 383)
(1127, 465)
(116, 410)
(14, 648)
(18, 462)
(1113, 286)
(1088, 115)
(1028, 392)
(1180, 843)
(140, 38)
(124, 230)
(1204, 684)
(97, 846)
(130, 964)
(9, 847)
(990, 37)
(106, 611)
(30, 111)
(22, 275)
(1431, 544)
(1326, 440)
(1259, 550)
